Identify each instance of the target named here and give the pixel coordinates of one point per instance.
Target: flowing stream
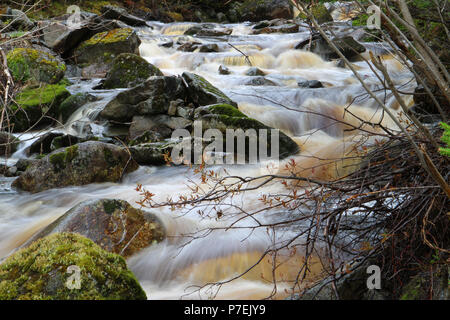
(172, 269)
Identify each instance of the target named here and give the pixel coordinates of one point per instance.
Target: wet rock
(43, 143)
(189, 46)
(259, 81)
(84, 163)
(114, 225)
(112, 12)
(224, 70)
(203, 93)
(224, 116)
(348, 46)
(311, 84)
(8, 144)
(23, 164)
(129, 70)
(288, 28)
(68, 38)
(30, 64)
(211, 47)
(42, 271)
(142, 124)
(254, 71)
(151, 97)
(155, 153)
(73, 103)
(206, 30)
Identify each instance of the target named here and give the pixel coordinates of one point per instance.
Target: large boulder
(84, 163)
(224, 116)
(52, 141)
(348, 46)
(38, 106)
(38, 66)
(129, 70)
(149, 98)
(8, 144)
(63, 38)
(202, 92)
(97, 53)
(47, 270)
(114, 225)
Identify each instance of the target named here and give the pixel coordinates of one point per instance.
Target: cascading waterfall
(167, 269)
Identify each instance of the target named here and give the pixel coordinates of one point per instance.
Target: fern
(446, 139)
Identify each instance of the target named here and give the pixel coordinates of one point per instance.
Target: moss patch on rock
(40, 272)
(31, 64)
(35, 106)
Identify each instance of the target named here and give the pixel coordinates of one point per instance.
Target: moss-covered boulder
(129, 70)
(105, 46)
(113, 224)
(46, 270)
(8, 144)
(38, 66)
(202, 92)
(38, 105)
(84, 163)
(433, 284)
(224, 116)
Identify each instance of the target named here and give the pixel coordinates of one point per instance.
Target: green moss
(227, 110)
(319, 12)
(61, 159)
(39, 272)
(115, 35)
(37, 105)
(30, 64)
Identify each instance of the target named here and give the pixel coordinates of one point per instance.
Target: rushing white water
(166, 270)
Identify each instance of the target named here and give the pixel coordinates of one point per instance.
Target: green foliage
(446, 139)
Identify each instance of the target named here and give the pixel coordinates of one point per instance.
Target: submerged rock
(84, 163)
(312, 84)
(129, 70)
(35, 65)
(112, 224)
(203, 93)
(45, 269)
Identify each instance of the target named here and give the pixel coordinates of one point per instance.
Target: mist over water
(168, 269)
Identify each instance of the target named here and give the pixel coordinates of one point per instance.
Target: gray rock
(260, 81)
(112, 12)
(84, 163)
(105, 219)
(224, 70)
(254, 71)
